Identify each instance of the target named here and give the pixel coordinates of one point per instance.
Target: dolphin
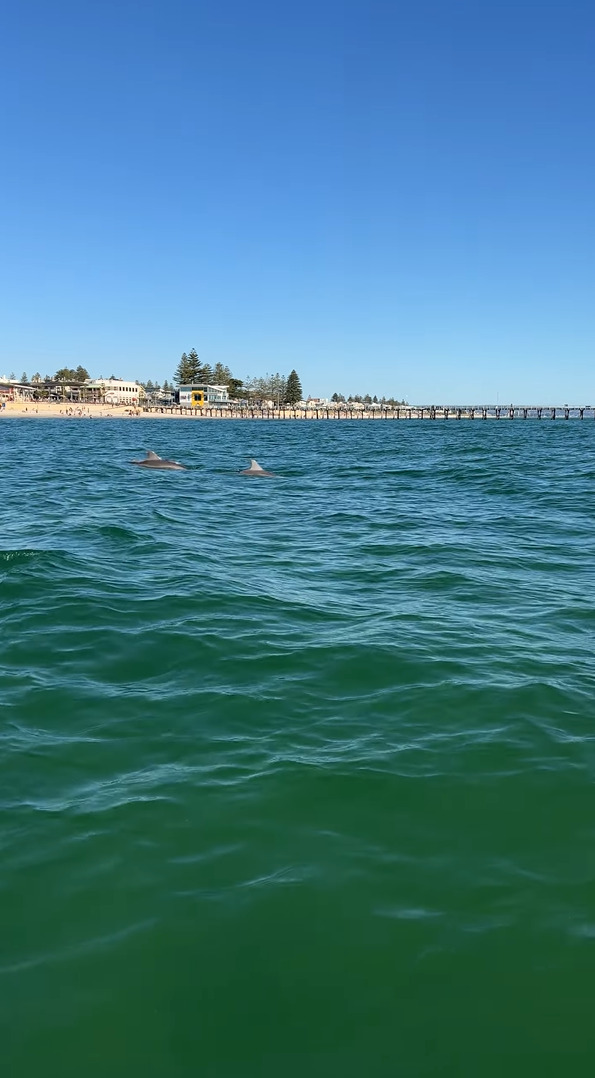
(256, 470)
(153, 461)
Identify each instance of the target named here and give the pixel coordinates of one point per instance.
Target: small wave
(252, 717)
(19, 557)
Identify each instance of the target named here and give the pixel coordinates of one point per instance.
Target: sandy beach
(54, 410)
(21, 409)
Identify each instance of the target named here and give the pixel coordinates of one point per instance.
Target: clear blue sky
(391, 197)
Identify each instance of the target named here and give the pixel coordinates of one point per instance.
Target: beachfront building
(6, 390)
(38, 389)
(115, 391)
(11, 390)
(201, 395)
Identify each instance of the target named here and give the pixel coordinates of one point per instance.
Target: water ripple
(299, 749)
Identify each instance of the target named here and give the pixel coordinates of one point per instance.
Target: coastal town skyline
(277, 388)
(268, 391)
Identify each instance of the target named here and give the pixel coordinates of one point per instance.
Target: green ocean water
(297, 776)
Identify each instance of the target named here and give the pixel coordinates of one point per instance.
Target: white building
(201, 394)
(116, 390)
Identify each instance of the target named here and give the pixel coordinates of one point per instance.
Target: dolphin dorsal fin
(151, 455)
(255, 466)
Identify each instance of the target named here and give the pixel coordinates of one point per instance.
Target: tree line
(279, 388)
(390, 402)
(65, 374)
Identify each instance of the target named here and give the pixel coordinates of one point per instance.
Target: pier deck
(409, 412)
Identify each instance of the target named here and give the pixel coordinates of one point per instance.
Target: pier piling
(398, 412)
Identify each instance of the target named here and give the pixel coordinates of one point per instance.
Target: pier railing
(399, 412)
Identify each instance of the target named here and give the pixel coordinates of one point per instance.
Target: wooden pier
(408, 412)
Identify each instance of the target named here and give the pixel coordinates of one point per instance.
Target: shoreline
(53, 410)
